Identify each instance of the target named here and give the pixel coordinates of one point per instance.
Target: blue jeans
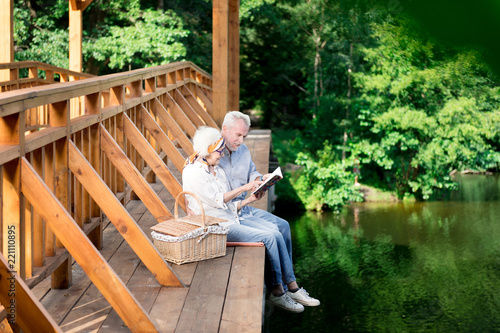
(267, 233)
(255, 214)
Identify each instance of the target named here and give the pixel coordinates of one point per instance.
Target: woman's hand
(253, 185)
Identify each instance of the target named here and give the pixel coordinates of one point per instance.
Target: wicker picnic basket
(191, 238)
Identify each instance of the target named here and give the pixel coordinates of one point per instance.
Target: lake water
(401, 267)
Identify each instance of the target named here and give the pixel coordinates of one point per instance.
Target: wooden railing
(99, 141)
(31, 74)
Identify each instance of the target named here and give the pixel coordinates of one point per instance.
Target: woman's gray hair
(232, 116)
(203, 138)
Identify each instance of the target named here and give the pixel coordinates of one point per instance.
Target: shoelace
(289, 300)
(304, 292)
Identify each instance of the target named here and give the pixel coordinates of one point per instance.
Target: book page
(270, 181)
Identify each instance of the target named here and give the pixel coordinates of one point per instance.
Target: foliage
(321, 184)
(151, 39)
(41, 37)
(427, 111)
(117, 35)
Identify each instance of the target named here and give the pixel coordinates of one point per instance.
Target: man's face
(235, 135)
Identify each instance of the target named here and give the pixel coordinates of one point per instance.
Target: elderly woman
(203, 177)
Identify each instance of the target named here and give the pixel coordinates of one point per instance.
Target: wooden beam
(188, 95)
(85, 254)
(161, 137)
(24, 311)
(220, 59)
(205, 100)
(6, 36)
(11, 200)
(173, 127)
(85, 3)
(180, 117)
(234, 56)
(187, 109)
(132, 175)
(153, 160)
(75, 35)
(122, 220)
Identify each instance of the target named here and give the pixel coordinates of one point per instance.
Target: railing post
(59, 117)
(37, 160)
(90, 149)
(12, 201)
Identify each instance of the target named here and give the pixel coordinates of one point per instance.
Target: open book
(273, 178)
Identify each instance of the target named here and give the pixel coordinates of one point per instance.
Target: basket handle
(176, 209)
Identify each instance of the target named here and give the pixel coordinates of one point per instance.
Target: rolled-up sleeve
(253, 173)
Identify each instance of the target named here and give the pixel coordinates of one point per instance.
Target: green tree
(118, 35)
(427, 110)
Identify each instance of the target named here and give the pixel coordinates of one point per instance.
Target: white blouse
(210, 190)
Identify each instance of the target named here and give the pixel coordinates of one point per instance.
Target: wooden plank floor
(223, 295)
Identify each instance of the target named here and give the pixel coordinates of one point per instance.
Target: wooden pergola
(225, 48)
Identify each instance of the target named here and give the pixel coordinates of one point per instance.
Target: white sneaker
(285, 302)
(302, 296)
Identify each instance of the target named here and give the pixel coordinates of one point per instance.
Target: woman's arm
(246, 201)
(228, 196)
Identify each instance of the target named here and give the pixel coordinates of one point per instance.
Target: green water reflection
(422, 267)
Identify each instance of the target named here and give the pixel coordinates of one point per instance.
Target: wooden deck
(221, 295)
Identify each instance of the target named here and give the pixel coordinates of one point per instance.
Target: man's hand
(251, 199)
(264, 177)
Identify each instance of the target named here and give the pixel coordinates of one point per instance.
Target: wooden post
(75, 36)
(220, 59)
(38, 224)
(234, 55)
(12, 201)
(59, 117)
(6, 36)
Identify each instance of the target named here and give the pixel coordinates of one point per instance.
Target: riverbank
(372, 194)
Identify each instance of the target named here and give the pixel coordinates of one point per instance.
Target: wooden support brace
(173, 127)
(152, 159)
(166, 145)
(204, 98)
(187, 109)
(121, 218)
(85, 254)
(188, 95)
(132, 175)
(24, 311)
(180, 117)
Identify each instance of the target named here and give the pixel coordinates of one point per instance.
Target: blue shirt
(239, 168)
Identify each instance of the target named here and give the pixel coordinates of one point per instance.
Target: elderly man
(240, 170)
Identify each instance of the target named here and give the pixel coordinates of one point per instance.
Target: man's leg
(243, 233)
(282, 225)
(285, 262)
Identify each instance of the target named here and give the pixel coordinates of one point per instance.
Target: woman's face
(214, 157)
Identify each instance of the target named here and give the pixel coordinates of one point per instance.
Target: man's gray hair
(232, 116)
(203, 138)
